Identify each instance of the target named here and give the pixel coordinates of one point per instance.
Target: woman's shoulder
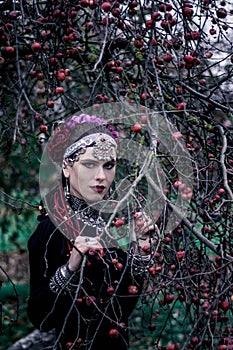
(45, 224)
(44, 232)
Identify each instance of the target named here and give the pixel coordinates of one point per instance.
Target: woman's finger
(85, 243)
(143, 222)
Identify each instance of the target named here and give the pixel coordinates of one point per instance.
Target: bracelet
(140, 263)
(64, 279)
(66, 272)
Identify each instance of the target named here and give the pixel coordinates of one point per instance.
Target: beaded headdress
(67, 137)
(103, 146)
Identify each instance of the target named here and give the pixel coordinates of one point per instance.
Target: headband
(103, 146)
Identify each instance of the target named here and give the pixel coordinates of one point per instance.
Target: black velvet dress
(97, 316)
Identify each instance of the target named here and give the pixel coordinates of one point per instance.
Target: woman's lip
(98, 189)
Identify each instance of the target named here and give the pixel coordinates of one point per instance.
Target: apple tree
(174, 57)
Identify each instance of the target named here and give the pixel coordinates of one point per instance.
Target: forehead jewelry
(103, 146)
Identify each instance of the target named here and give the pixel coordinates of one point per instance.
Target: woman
(82, 283)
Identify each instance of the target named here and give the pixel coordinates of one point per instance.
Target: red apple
(50, 104)
(146, 248)
(60, 76)
(181, 106)
(53, 61)
(59, 90)
(169, 298)
(205, 305)
(194, 340)
(132, 289)
(187, 11)
(156, 16)
(195, 35)
(106, 6)
(113, 333)
(150, 24)
(209, 54)
(221, 12)
(119, 266)
(9, 50)
(188, 59)
(212, 31)
(119, 222)
(116, 12)
(166, 240)
(56, 12)
(143, 119)
(168, 57)
(36, 46)
(138, 43)
(133, 4)
(110, 290)
(165, 7)
(224, 305)
(43, 128)
(38, 118)
(137, 127)
(202, 81)
(145, 95)
(114, 261)
(128, 63)
(69, 345)
(180, 254)
(152, 271)
(221, 191)
(90, 300)
(40, 75)
(13, 14)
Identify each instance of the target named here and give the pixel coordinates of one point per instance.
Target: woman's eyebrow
(88, 160)
(112, 161)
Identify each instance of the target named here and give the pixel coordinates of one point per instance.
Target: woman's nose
(100, 174)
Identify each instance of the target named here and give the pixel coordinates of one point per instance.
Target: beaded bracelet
(140, 263)
(64, 279)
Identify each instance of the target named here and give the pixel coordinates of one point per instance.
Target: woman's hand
(143, 223)
(144, 229)
(81, 246)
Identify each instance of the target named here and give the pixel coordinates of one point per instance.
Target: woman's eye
(89, 165)
(109, 165)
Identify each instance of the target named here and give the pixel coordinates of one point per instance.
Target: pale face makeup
(90, 178)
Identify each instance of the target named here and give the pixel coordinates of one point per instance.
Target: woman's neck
(86, 213)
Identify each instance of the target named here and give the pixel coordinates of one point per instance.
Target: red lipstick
(98, 188)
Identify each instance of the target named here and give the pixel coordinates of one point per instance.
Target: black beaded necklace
(88, 214)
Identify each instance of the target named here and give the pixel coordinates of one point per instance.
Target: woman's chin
(95, 198)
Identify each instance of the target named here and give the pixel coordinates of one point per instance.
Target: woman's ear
(66, 172)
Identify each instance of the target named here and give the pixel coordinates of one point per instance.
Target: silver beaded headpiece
(103, 146)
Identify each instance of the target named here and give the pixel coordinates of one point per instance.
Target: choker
(86, 213)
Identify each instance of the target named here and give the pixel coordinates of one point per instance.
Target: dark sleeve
(47, 251)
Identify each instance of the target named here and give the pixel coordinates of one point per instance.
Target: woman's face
(90, 178)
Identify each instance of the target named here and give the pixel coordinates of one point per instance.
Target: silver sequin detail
(103, 144)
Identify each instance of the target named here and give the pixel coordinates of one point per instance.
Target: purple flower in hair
(83, 118)
(114, 133)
